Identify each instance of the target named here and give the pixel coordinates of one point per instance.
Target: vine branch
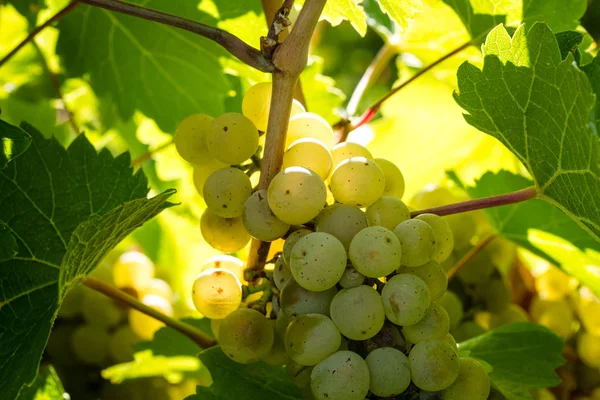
(469, 255)
(194, 334)
(484, 202)
(240, 49)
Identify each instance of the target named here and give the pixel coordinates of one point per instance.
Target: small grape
(357, 181)
(120, 346)
(233, 138)
(256, 104)
(434, 365)
(375, 251)
(448, 338)
(472, 382)
(202, 172)
(345, 150)
(281, 273)
(394, 180)
(406, 299)
(145, 326)
(225, 192)
(554, 284)
(291, 241)
(190, 138)
(100, 310)
(90, 344)
(388, 212)
(310, 154)
(259, 220)
(310, 338)
(160, 288)
(417, 240)
(246, 336)
(588, 349)
(453, 306)
(389, 372)
(309, 125)
(224, 234)
(296, 300)
(434, 325)
(351, 278)
(228, 263)
(216, 293)
(296, 195)
(318, 261)
(297, 108)
(432, 274)
(358, 312)
(342, 221)
(277, 355)
(342, 375)
(478, 270)
(444, 240)
(133, 270)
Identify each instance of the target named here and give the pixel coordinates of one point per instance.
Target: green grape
(309, 125)
(496, 295)
(472, 382)
(463, 226)
(453, 306)
(477, 270)
(318, 261)
(389, 372)
(120, 345)
(224, 234)
(406, 299)
(160, 288)
(281, 273)
(190, 138)
(358, 312)
(216, 293)
(246, 336)
(100, 310)
(388, 212)
(225, 192)
(299, 374)
(554, 284)
(297, 108)
(375, 251)
(70, 305)
(345, 150)
(310, 338)
(145, 326)
(432, 274)
(394, 180)
(513, 313)
(59, 346)
(351, 278)
(291, 241)
(202, 172)
(467, 330)
(277, 355)
(444, 241)
(259, 220)
(344, 375)
(357, 181)
(296, 195)
(133, 270)
(417, 240)
(342, 221)
(559, 319)
(233, 138)
(310, 154)
(296, 300)
(282, 322)
(256, 104)
(90, 344)
(215, 326)
(228, 263)
(434, 325)
(448, 338)
(539, 307)
(434, 365)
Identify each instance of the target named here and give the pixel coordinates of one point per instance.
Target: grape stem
(148, 155)
(203, 340)
(470, 254)
(484, 202)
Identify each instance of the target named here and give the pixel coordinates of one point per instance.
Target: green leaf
(479, 21)
(539, 107)
(401, 11)
(14, 142)
(560, 15)
(162, 71)
(65, 208)
(233, 381)
(568, 42)
(593, 72)
(523, 357)
(320, 91)
(8, 244)
(47, 386)
(337, 11)
(169, 342)
(29, 8)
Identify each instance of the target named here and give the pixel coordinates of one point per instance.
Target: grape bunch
(357, 283)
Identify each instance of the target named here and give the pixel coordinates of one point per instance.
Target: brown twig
(148, 155)
(194, 334)
(469, 255)
(240, 49)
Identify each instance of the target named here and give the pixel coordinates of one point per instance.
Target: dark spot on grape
(225, 129)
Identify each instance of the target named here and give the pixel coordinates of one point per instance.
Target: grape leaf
(523, 356)
(233, 381)
(55, 201)
(47, 386)
(320, 90)
(539, 107)
(560, 15)
(14, 142)
(568, 42)
(337, 11)
(8, 244)
(479, 22)
(593, 72)
(28, 8)
(401, 11)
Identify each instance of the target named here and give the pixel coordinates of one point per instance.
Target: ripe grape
(351, 278)
(281, 323)
(554, 284)
(558, 319)
(434, 325)
(468, 330)
(389, 372)
(296, 195)
(190, 138)
(145, 326)
(281, 273)
(224, 234)
(453, 306)
(90, 344)
(357, 181)
(202, 172)
(297, 108)
(160, 288)
(406, 299)
(358, 312)
(318, 261)
(375, 251)
(256, 104)
(448, 338)
(225, 192)
(310, 338)
(259, 220)
(246, 336)
(228, 263)
(296, 300)
(588, 349)
(394, 180)
(472, 382)
(388, 212)
(233, 138)
(342, 375)
(417, 240)
(342, 221)
(345, 150)
(100, 310)
(291, 241)
(588, 308)
(310, 154)
(309, 125)
(444, 241)
(299, 374)
(434, 365)
(120, 345)
(432, 274)
(70, 306)
(216, 293)
(133, 270)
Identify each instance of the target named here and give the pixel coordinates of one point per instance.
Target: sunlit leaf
(401, 11)
(336, 11)
(13, 142)
(321, 94)
(47, 386)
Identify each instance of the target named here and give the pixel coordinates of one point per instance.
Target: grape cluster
(358, 280)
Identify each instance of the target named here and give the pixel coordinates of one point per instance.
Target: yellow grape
(513, 313)
(554, 284)
(159, 288)
(100, 310)
(311, 154)
(228, 263)
(133, 270)
(297, 108)
(345, 150)
(246, 336)
(216, 293)
(589, 310)
(202, 172)
(225, 192)
(224, 234)
(394, 180)
(309, 125)
(357, 181)
(145, 326)
(233, 138)
(256, 104)
(588, 349)
(190, 138)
